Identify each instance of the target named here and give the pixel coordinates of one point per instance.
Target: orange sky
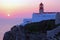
(22, 8)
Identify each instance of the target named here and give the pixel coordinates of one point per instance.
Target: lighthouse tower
(41, 8)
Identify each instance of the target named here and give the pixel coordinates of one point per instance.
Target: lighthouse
(41, 15)
(41, 8)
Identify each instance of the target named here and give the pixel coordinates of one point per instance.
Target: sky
(12, 12)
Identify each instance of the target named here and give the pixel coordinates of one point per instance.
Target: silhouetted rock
(9, 36)
(39, 28)
(43, 25)
(13, 34)
(31, 31)
(57, 36)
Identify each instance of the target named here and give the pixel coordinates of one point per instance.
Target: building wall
(25, 21)
(37, 17)
(40, 17)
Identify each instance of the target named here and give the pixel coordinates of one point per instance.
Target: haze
(12, 12)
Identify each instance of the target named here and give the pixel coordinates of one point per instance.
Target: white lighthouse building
(37, 17)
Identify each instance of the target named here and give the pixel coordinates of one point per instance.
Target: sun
(10, 6)
(8, 15)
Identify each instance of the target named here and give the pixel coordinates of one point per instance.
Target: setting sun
(8, 14)
(17, 12)
(11, 5)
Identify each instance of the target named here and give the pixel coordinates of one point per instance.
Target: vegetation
(40, 26)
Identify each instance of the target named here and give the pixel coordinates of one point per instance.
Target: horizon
(13, 12)
(19, 8)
